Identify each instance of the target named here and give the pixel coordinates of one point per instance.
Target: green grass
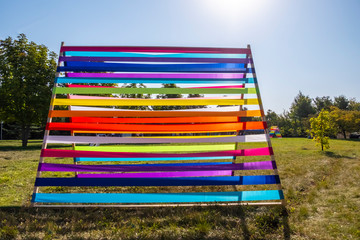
(321, 190)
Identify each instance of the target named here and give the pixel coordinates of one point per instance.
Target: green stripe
(161, 148)
(67, 90)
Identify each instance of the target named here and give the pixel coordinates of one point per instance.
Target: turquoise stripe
(147, 159)
(129, 80)
(157, 197)
(175, 55)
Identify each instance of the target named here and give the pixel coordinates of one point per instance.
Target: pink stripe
(92, 97)
(158, 174)
(158, 75)
(90, 86)
(76, 153)
(114, 98)
(234, 86)
(87, 86)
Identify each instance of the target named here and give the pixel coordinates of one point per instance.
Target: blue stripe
(157, 197)
(174, 55)
(148, 159)
(155, 80)
(158, 182)
(131, 67)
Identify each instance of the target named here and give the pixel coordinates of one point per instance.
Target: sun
(233, 9)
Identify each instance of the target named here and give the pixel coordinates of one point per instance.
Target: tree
(341, 102)
(354, 105)
(272, 118)
(321, 128)
(300, 111)
(27, 72)
(345, 121)
(322, 103)
(302, 107)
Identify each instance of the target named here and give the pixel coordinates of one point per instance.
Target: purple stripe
(158, 174)
(157, 59)
(159, 75)
(54, 167)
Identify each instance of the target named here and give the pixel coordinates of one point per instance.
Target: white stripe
(93, 139)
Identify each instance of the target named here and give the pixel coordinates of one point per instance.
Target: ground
(321, 191)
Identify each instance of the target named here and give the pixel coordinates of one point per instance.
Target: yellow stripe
(153, 102)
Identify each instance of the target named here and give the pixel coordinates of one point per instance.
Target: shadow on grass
(20, 148)
(334, 155)
(8, 148)
(351, 139)
(241, 222)
(285, 221)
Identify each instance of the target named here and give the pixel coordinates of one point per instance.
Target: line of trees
(27, 72)
(344, 113)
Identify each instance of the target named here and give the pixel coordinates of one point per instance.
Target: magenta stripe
(89, 86)
(55, 167)
(155, 49)
(158, 174)
(159, 75)
(233, 86)
(86, 86)
(96, 154)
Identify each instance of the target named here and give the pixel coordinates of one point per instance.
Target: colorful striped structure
(275, 132)
(111, 156)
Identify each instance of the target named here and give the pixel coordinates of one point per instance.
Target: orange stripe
(154, 120)
(157, 128)
(79, 113)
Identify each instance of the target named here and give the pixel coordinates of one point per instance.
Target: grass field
(321, 189)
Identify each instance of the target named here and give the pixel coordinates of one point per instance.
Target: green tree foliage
(302, 106)
(300, 111)
(286, 125)
(323, 103)
(354, 105)
(27, 72)
(321, 128)
(296, 122)
(341, 102)
(272, 118)
(346, 121)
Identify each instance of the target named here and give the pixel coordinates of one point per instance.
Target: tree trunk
(344, 133)
(322, 147)
(25, 130)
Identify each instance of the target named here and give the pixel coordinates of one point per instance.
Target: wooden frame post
(263, 118)
(49, 119)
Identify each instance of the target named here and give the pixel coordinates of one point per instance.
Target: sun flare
(233, 9)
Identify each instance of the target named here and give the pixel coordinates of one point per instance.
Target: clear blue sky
(309, 46)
